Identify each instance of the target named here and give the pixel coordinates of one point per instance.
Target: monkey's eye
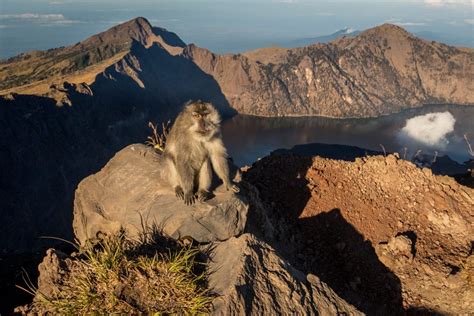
(195, 114)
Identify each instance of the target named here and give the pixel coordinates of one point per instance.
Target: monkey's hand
(179, 192)
(232, 187)
(189, 198)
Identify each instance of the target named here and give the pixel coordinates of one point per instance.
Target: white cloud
(440, 3)
(469, 21)
(409, 23)
(43, 19)
(324, 13)
(430, 130)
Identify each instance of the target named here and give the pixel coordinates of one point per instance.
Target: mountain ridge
(380, 71)
(104, 48)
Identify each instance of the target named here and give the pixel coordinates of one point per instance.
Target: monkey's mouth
(202, 132)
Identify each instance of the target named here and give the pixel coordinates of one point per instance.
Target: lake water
(249, 138)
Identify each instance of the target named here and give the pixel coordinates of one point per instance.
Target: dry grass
(158, 138)
(41, 87)
(120, 276)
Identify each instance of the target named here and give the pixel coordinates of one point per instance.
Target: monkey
(193, 148)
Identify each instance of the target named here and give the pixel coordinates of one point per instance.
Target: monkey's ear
(188, 103)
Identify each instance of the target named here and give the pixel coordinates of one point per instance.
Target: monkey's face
(205, 119)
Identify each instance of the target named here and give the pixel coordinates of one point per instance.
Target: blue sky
(227, 25)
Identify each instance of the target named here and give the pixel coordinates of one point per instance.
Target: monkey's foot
(179, 192)
(203, 195)
(189, 198)
(233, 188)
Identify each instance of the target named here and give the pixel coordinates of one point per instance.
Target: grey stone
(250, 278)
(129, 193)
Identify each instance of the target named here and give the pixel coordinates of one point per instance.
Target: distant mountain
(66, 111)
(449, 39)
(380, 71)
(101, 49)
(371, 73)
(349, 32)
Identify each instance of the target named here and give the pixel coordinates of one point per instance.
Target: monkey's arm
(218, 156)
(186, 180)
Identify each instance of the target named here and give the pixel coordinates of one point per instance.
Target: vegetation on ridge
(118, 275)
(157, 140)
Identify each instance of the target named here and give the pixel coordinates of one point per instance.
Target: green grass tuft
(120, 276)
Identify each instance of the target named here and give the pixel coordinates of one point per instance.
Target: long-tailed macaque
(193, 145)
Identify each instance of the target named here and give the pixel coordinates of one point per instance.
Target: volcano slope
(387, 236)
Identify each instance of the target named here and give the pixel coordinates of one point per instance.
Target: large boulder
(250, 278)
(129, 193)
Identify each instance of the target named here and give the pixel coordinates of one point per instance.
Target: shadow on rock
(334, 250)
(325, 245)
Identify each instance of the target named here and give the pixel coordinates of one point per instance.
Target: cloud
(43, 19)
(469, 21)
(410, 23)
(324, 13)
(440, 3)
(430, 130)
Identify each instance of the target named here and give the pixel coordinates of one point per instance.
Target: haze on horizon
(228, 25)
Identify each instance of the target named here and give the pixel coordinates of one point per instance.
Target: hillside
(82, 61)
(380, 71)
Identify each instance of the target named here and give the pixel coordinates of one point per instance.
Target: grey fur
(193, 145)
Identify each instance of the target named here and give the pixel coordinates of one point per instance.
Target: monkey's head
(204, 117)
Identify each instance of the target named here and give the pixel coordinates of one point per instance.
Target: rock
(51, 270)
(129, 193)
(250, 278)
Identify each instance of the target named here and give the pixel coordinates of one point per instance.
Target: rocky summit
(245, 274)
(306, 235)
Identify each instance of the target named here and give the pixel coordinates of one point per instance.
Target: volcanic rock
(130, 194)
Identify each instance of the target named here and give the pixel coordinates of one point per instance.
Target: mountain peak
(387, 30)
(138, 29)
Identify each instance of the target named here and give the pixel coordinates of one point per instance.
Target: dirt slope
(386, 235)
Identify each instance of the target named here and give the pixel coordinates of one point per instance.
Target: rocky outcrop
(244, 274)
(383, 233)
(130, 194)
(250, 278)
